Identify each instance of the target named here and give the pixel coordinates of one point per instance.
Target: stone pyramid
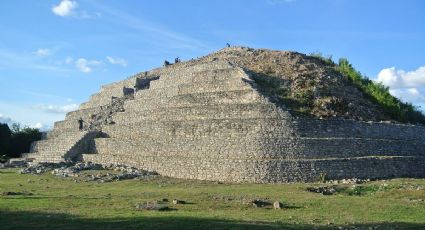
(208, 120)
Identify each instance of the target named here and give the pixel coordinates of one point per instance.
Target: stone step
(319, 148)
(48, 159)
(197, 99)
(184, 69)
(230, 111)
(150, 146)
(117, 86)
(60, 139)
(115, 89)
(319, 128)
(255, 146)
(55, 132)
(70, 133)
(82, 113)
(48, 154)
(108, 95)
(352, 128)
(47, 146)
(178, 72)
(372, 167)
(204, 86)
(272, 170)
(71, 124)
(52, 149)
(197, 77)
(251, 126)
(95, 103)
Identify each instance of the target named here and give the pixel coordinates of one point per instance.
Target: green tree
(21, 139)
(5, 136)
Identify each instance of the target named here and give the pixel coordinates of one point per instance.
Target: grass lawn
(49, 202)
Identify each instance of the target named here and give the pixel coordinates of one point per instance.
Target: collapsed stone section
(207, 120)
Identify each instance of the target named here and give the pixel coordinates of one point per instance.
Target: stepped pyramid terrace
(217, 118)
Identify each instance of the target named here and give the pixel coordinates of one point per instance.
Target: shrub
(325, 59)
(3, 158)
(5, 136)
(398, 110)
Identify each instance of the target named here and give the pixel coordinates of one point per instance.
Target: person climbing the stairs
(80, 124)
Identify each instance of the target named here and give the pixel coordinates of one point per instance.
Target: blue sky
(54, 54)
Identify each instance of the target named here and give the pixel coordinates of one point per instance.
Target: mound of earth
(306, 85)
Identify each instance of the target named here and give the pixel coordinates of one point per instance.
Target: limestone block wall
(365, 168)
(351, 128)
(269, 171)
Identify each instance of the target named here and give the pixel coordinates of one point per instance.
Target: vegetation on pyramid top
(315, 86)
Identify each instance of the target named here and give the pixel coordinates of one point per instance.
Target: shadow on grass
(40, 220)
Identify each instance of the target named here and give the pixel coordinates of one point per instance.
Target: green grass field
(49, 202)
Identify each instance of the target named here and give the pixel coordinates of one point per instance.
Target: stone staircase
(65, 147)
(66, 142)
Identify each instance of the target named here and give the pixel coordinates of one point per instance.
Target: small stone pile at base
(65, 170)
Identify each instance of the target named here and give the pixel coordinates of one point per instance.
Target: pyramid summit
(240, 115)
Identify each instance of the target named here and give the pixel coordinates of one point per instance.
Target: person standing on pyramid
(80, 124)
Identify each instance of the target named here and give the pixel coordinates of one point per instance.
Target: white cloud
(28, 115)
(65, 8)
(40, 126)
(43, 52)
(412, 95)
(394, 78)
(117, 61)
(85, 65)
(56, 108)
(68, 8)
(82, 64)
(26, 60)
(6, 120)
(37, 125)
(69, 60)
(409, 86)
